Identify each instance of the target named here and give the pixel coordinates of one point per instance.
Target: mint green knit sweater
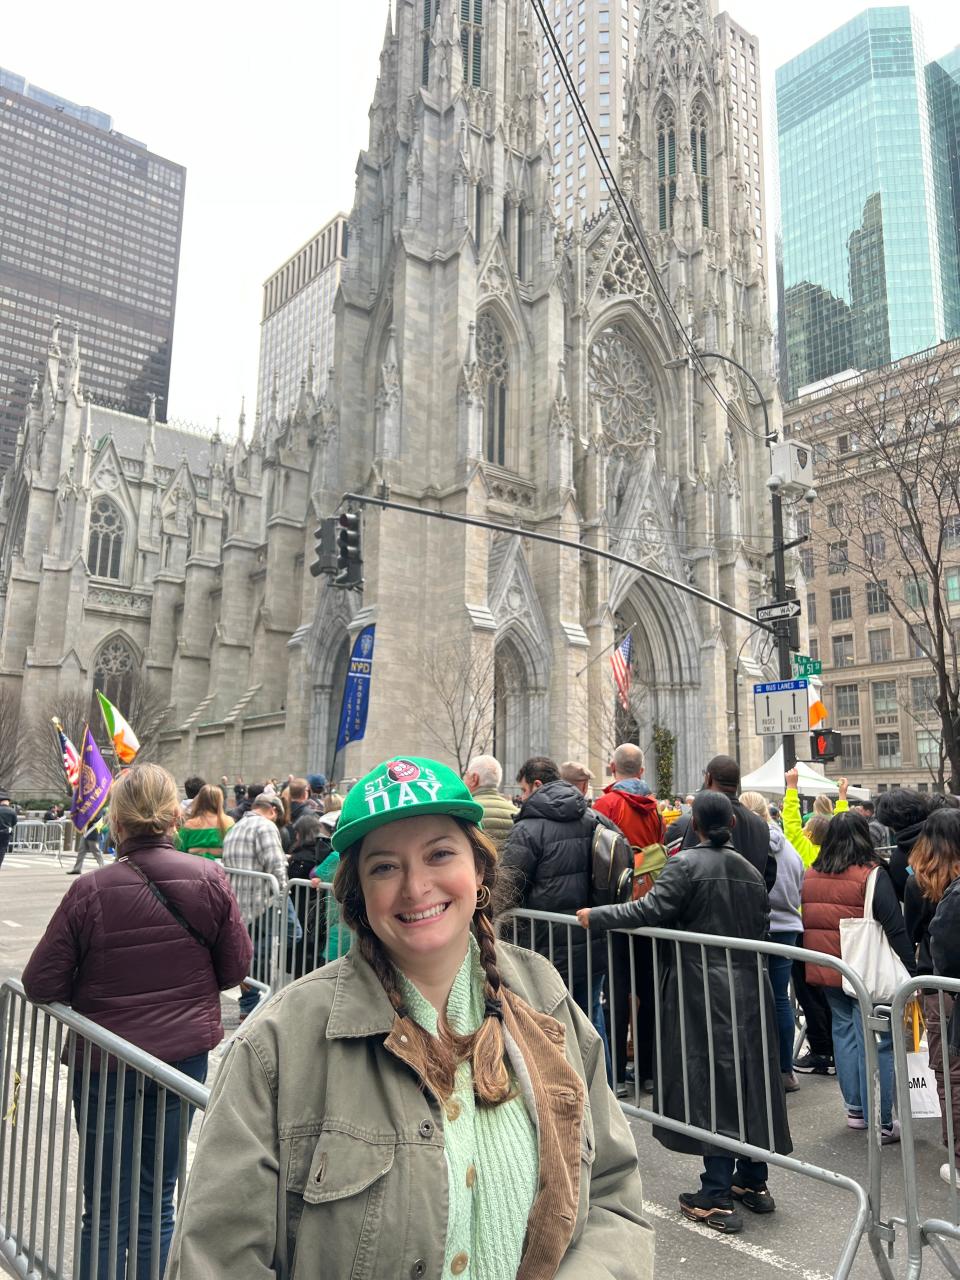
(491, 1152)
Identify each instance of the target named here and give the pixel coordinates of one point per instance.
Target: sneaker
(647, 1085)
(790, 1082)
(855, 1120)
(816, 1064)
(756, 1199)
(74, 871)
(945, 1175)
(721, 1215)
(890, 1133)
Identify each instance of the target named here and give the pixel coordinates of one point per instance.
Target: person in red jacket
(144, 947)
(629, 802)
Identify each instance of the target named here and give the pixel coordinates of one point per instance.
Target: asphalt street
(803, 1240)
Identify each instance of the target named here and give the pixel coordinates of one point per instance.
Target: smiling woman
(432, 1102)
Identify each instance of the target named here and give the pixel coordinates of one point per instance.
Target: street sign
(804, 666)
(781, 707)
(778, 611)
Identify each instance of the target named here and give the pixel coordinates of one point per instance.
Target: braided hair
(436, 1058)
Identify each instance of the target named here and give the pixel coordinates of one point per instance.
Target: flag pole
(612, 645)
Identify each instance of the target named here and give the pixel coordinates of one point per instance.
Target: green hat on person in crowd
(407, 787)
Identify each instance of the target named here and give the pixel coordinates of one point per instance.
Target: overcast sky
(267, 108)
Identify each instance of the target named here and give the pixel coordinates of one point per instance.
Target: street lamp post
(781, 626)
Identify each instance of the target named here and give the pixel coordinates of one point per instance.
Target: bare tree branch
(11, 739)
(461, 686)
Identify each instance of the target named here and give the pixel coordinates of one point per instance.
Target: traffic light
(793, 626)
(825, 745)
(326, 548)
(349, 551)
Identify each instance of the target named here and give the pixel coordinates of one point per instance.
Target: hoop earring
(483, 897)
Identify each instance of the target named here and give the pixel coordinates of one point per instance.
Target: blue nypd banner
(356, 693)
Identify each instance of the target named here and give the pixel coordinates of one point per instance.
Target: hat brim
(348, 834)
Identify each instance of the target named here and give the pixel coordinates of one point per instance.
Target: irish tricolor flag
(125, 741)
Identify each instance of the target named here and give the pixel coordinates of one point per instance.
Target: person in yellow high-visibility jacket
(807, 839)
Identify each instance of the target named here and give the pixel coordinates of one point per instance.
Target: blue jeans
(718, 1175)
(850, 1058)
(779, 969)
(123, 1115)
(600, 1022)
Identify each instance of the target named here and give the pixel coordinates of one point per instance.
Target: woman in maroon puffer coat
(118, 954)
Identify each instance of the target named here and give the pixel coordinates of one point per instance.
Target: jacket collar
(136, 844)
(361, 1007)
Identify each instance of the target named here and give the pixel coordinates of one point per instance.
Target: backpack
(611, 866)
(648, 862)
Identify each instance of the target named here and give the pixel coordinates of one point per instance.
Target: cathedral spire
(242, 420)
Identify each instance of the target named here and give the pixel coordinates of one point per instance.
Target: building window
(841, 605)
(888, 751)
(915, 592)
(920, 642)
(105, 549)
(874, 546)
(851, 752)
(666, 166)
(701, 159)
(884, 697)
(492, 360)
(429, 10)
(928, 749)
(806, 563)
(923, 694)
(815, 648)
(877, 601)
(835, 515)
(114, 672)
(812, 608)
(953, 586)
(842, 650)
(951, 533)
(846, 702)
(837, 557)
(881, 649)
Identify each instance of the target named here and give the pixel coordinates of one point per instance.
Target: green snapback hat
(407, 787)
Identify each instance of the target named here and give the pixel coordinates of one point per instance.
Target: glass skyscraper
(943, 94)
(90, 225)
(861, 259)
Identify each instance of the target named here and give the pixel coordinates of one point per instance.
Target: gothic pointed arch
(105, 542)
(665, 133)
(116, 669)
(493, 366)
(328, 645)
(702, 157)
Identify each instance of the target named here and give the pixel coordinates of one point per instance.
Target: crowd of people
(427, 997)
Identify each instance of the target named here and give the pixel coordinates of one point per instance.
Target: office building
(943, 93)
(296, 330)
(90, 224)
(860, 232)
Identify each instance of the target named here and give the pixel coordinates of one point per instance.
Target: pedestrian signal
(825, 745)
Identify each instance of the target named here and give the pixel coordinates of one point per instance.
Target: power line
(624, 209)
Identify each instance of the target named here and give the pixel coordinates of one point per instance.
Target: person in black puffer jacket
(549, 854)
(904, 812)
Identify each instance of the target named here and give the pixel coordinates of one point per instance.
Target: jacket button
(471, 1176)
(418, 1269)
(426, 1128)
(458, 1263)
(453, 1109)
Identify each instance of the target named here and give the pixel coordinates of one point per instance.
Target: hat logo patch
(403, 771)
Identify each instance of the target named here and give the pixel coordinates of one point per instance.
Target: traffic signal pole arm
(495, 527)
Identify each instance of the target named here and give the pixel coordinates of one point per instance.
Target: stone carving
(625, 274)
(107, 478)
(620, 384)
(494, 281)
(108, 599)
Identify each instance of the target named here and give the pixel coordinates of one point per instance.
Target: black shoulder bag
(164, 901)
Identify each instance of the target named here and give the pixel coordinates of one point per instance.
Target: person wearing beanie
(431, 1104)
(714, 1004)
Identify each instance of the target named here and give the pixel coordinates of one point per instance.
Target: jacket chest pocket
(335, 1207)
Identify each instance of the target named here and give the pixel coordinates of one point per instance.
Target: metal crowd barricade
(929, 1230)
(53, 837)
(263, 908)
(74, 1165)
(553, 935)
(29, 837)
(321, 937)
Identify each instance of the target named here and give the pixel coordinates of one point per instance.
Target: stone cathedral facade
(490, 360)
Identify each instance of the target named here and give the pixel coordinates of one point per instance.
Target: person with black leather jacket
(548, 852)
(711, 888)
(750, 836)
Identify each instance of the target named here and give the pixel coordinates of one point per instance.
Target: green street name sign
(804, 666)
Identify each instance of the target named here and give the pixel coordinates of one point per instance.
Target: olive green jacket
(498, 814)
(321, 1155)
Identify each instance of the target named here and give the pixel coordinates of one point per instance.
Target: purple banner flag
(93, 785)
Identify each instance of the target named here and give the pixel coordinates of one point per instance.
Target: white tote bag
(924, 1100)
(864, 947)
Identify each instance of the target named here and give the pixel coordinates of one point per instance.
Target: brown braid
(436, 1058)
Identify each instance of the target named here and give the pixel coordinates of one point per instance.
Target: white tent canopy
(769, 779)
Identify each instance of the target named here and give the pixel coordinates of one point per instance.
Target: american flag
(620, 662)
(71, 757)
